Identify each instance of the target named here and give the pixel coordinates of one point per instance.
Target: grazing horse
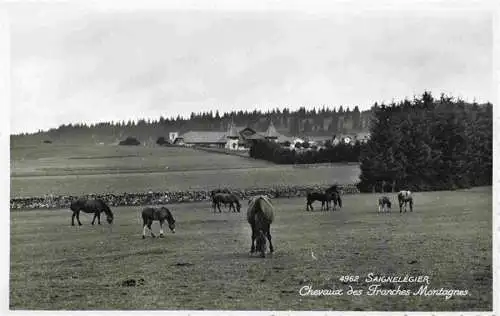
(384, 204)
(95, 206)
(334, 195)
(405, 197)
(311, 197)
(260, 215)
(150, 214)
(226, 198)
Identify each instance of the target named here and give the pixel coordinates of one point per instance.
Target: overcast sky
(117, 61)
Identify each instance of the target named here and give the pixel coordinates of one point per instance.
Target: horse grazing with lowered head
(334, 195)
(404, 198)
(260, 215)
(96, 206)
(323, 197)
(330, 194)
(384, 204)
(150, 214)
(226, 199)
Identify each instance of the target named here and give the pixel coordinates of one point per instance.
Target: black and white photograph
(276, 156)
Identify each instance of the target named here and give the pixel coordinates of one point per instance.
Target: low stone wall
(157, 198)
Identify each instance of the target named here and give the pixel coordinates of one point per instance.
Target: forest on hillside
(303, 122)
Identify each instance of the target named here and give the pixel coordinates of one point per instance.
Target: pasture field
(206, 264)
(77, 170)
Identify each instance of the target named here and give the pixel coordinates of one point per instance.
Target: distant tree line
(317, 121)
(271, 151)
(428, 144)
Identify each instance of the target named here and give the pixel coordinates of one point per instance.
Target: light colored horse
(260, 215)
(404, 198)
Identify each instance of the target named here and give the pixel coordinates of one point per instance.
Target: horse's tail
(339, 200)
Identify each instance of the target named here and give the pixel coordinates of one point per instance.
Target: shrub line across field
(158, 198)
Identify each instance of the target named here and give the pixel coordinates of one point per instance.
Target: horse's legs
(73, 219)
(161, 228)
(93, 219)
(78, 217)
(309, 205)
(144, 229)
(150, 222)
(271, 248)
(99, 218)
(252, 248)
(411, 205)
(218, 206)
(262, 237)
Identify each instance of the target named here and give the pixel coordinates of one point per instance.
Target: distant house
(363, 137)
(319, 140)
(235, 138)
(351, 138)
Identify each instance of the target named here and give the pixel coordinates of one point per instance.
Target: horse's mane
(333, 188)
(169, 214)
(106, 208)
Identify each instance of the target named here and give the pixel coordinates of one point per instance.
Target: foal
(384, 204)
(150, 214)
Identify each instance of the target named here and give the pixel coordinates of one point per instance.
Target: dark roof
(204, 137)
(256, 136)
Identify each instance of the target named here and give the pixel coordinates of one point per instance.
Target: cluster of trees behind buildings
(428, 144)
(269, 150)
(422, 144)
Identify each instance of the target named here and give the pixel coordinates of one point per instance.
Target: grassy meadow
(206, 264)
(76, 170)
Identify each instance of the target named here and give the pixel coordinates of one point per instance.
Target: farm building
(235, 138)
(351, 138)
(202, 138)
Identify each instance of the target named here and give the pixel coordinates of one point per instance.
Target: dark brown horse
(330, 194)
(150, 214)
(96, 206)
(226, 199)
(260, 215)
(323, 197)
